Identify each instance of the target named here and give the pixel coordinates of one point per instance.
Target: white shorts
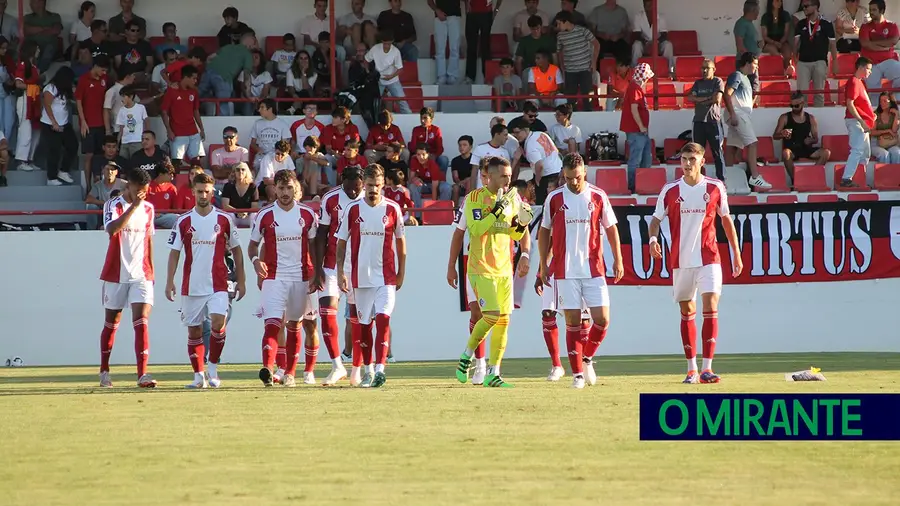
(196, 308)
(686, 282)
(742, 135)
(374, 300)
(118, 295)
(577, 293)
(285, 299)
(313, 307)
(330, 287)
(550, 296)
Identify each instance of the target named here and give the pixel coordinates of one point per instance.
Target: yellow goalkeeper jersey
(490, 239)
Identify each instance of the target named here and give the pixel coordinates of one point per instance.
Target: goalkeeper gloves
(525, 214)
(503, 203)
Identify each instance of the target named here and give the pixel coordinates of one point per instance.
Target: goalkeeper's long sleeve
(480, 225)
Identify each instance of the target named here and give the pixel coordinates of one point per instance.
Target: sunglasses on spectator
(531, 116)
(797, 106)
(228, 137)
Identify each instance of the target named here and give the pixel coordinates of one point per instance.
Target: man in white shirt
(349, 26)
(267, 131)
(280, 159)
(643, 35)
(389, 64)
(542, 154)
(496, 147)
(314, 24)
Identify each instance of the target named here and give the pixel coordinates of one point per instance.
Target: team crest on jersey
(384, 219)
(706, 197)
(591, 207)
(302, 223)
(166, 196)
(391, 136)
(476, 213)
(481, 302)
(217, 228)
(191, 98)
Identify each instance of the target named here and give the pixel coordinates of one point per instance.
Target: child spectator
(233, 30)
(283, 58)
(89, 95)
(617, 85)
(565, 135)
(392, 160)
(112, 101)
(131, 122)
(461, 168)
(181, 116)
(102, 191)
(307, 127)
(382, 134)
(389, 64)
(241, 193)
(271, 163)
(426, 177)
(185, 200)
(430, 135)
(170, 32)
(508, 84)
(396, 191)
(351, 157)
(335, 136)
(163, 195)
(311, 163)
(260, 83)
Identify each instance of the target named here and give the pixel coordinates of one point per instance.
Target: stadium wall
(52, 315)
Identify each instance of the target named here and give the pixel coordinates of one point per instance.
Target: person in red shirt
(180, 113)
(185, 200)
(396, 191)
(163, 195)
(89, 96)
(426, 177)
(430, 135)
(196, 57)
(878, 38)
(333, 138)
(635, 121)
(28, 81)
(860, 120)
(383, 134)
(351, 157)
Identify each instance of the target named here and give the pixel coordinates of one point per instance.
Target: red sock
(575, 347)
(141, 345)
(292, 348)
(312, 353)
(382, 338)
(216, 345)
(330, 331)
(365, 342)
(551, 338)
(270, 342)
(596, 335)
(196, 352)
(710, 331)
(281, 356)
(356, 335)
(689, 335)
(107, 338)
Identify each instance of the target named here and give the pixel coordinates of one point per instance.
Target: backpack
(603, 146)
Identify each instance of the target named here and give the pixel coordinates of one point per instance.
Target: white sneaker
(146, 381)
(27, 167)
(578, 382)
(105, 380)
(355, 376)
(288, 381)
(309, 378)
(199, 382)
(760, 183)
(589, 374)
(212, 375)
(556, 373)
(336, 374)
(279, 374)
(54, 182)
(478, 377)
(64, 176)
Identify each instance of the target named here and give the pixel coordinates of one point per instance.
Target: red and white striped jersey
(576, 222)
(692, 220)
(334, 204)
(299, 133)
(129, 258)
(205, 241)
(287, 236)
(370, 232)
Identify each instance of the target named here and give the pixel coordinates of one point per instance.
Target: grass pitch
(423, 439)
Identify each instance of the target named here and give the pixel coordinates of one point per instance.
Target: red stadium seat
(688, 68)
(839, 145)
(742, 200)
(887, 177)
(776, 176)
(273, 43)
(810, 178)
(685, 90)
(672, 148)
(765, 149)
(859, 177)
(499, 45)
(210, 44)
(442, 214)
(651, 201)
(409, 74)
(155, 41)
(841, 100)
(725, 65)
(660, 68)
(771, 67)
(781, 199)
(665, 103)
(782, 98)
(827, 197)
(613, 181)
(684, 42)
(649, 181)
(607, 68)
(863, 197)
(414, 98)
(622, 201)
(491, 70)
(846, 65)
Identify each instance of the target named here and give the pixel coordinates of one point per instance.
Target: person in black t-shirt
(110, 154)
(814, 40)
(149, 156)
(392, 161)
(528, 119)
(461, 168)
(404, 28)
(135, 55)
(233, 29)
(97, 43)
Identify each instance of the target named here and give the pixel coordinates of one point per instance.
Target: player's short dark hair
(110, 139)
(373, 171)
(203, 178)
(283, 146)
(284, 176)
(535, 21)
(188, 71)
(102, 61)
(352, 144)
(497, 129)
(467, 138)
(546, 54)
(352, 173)
(862, 61)
(746, 59)
(422, 147)
(311, 142)
(496, 162)
(572, 161)
(341, 112)
(138, 176)
(396, 147)
(168, 52)
(693, 148)
(797, 95)
(427, 111)
(324, 37)
(230, 12)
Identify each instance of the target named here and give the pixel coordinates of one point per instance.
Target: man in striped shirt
(578, 50)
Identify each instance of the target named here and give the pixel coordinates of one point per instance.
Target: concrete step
(23, 178)
(34, 193)
(29, 219)
(457, 106)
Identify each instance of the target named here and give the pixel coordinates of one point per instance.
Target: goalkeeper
(495, 218)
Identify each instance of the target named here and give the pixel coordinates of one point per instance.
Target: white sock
(198, 377)
(379, 368)
(481, 363)
(469, 352)
(211, 369)
(692, 364)
(579, 375)
(337, 363)
(494, 370)
(370, 369)
(707, 364)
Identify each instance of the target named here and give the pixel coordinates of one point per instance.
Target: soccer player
(286, 228)
(373, 230)
(128, 272)
(542, 154)
(334, 203)
(495, 218)
(691, 204)
(204, 233)
(573, 216)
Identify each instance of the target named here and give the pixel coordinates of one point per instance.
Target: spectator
(28, 105)
(369, 34)
(232, 31)
(885, 143)
(447, 23)
(320, 60)
(43, 27)
(479, 20)
(776, 25)
(118, 24)
(150, 154)
(112, 101)
(301, 79)
(335, 136)
(706, 95)
(878, 38)
(306, 127)
(158, 83)
(89, 102)
(7, 92)
(635, 122)
(529, 118)
(58, 139)
(814, 40)
(565, 134)
(747, 40)
(131, 122)
(181, 116)
(578, 18)
(267, 131)
(260, 83)
(224, 67)
(196, 58)
(241, 193)
(461, 168)
(426, 177)
(135, 55)
(508, 84)
(617, 85)
(280, 159)
(108, 187)
(522, 21)
(643, 35)
(359, 67)
(81, 28)
(109, 153)
(848, 21)
(389, 65)
(185, 200)
(612, 27)
(349, 26)
(97, 43)
(392, 162)
(529, 46)
(497, 146)
(578, 52)
(798, 132)
(9, 27)
(163, 195)
(544, 80)
(380, 135)
(397, 191)
(859, 118)
(542, 155)
(402, 25)
(430, 134)
(314, 24)
(223, 159)
(351, 158)
(311, 164)
(283, 58)
(83, 64)
(170, 41)
(739, 102)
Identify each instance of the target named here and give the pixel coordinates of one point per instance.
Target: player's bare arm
(456, 244)
(538, 168)
(737, 263)
(172, 268)
(401, 261)
(544, 252)
(241, 284)
(315, 283)
(258, 265)
(319, 262)
(616, 244)
(340, 253)
(119, 223)
(524, 264)
(655, 248)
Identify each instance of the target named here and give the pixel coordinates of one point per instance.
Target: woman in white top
(57, 136)
(565, 135)
(260, 83)
(81, 28)
(301, 79)
(849, 19)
